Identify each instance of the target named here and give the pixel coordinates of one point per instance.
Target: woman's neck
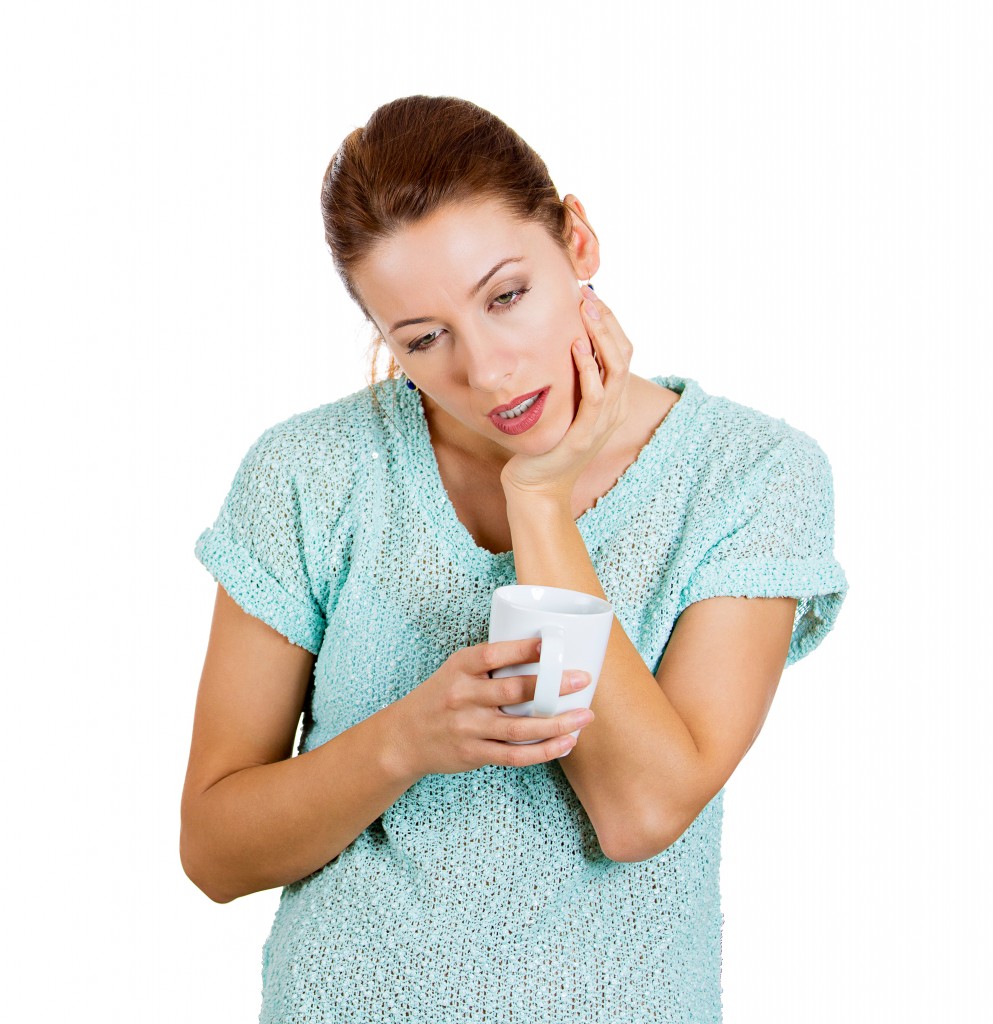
(448, 433)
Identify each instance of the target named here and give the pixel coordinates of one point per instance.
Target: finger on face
(592, 396)
(590, 379)
(594, 308)
(601, 336)
(590, 352)
(606, 326)
(612, 344)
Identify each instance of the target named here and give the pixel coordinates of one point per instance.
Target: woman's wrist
(522, 501)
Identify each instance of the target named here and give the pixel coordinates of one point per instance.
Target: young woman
(432, 870)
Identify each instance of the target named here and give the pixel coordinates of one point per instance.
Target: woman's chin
(543, 442)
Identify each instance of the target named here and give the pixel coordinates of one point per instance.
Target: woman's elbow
(194, 872)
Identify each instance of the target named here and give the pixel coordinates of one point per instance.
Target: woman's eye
(422, 343)
(504, 301)
(510, 296)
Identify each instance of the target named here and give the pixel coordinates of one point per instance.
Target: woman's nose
(488, 362)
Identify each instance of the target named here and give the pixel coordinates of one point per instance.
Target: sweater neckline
(438, 507)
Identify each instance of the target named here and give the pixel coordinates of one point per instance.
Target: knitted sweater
(484, 895)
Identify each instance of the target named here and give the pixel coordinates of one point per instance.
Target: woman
(432, 870)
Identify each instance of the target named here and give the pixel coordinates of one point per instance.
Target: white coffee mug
(574, 629)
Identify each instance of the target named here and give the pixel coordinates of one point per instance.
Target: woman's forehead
(458, 232)
(451, 250)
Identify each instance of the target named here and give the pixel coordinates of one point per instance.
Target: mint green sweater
(484, 895)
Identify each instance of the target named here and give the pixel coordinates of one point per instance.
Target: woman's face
(480, 311)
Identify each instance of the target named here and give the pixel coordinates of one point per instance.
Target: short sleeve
(256, 547)
(782, 544)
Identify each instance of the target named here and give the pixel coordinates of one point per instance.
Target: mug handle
(550, 669)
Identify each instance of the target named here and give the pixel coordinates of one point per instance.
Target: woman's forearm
(273, 824)
(638, 749)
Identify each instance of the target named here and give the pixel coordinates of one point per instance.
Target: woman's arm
(253, 816)
(661, 747)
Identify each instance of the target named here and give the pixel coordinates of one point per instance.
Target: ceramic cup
(574, 629)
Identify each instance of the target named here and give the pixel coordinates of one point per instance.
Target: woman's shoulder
(731, 437)
(330, 436)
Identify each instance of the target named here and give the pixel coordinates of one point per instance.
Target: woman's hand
(602, 408)
(452, 722)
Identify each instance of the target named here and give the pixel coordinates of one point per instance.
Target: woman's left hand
(602, 408)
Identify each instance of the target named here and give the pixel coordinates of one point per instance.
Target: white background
(794, 207)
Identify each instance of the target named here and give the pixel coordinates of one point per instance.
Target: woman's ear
(584, 248)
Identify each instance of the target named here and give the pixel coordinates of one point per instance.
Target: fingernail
(590, 310)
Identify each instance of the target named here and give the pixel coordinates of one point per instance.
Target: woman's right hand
(452, 722)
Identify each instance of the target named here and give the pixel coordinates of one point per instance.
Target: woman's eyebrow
(479, 284)
(472, 293)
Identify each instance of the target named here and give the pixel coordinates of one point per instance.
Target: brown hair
(415, 155)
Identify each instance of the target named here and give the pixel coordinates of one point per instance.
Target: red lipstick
(523, 421)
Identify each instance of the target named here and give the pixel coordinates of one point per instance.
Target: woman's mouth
(525, 414)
